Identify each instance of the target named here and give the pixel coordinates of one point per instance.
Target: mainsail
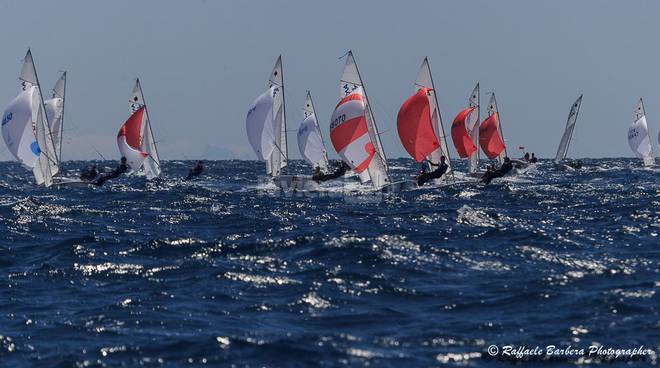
(310, 140)
(129, 140)
(151, 165)
(55, 113)
(638, 136)
(26, 130)
(472, 123)
(562, 151)
(355, 102)
(491, 139)
(280, 156)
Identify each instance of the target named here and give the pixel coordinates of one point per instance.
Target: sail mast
(381, 152)
(474, 130)
(444, 148)
(499, 128)
(62, 123)
(43, 106)
(151, 132)
(286, 146)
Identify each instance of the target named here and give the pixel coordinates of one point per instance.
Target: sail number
(338, 120)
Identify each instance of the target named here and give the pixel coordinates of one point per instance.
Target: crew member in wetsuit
(425, 176)
(576, 164)
(503, 170)
(90, 173)
(526, 157)
(319, 176)
(533, 159)
(122, 168)
(195, 171)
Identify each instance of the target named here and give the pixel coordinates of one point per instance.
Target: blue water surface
(228, 269)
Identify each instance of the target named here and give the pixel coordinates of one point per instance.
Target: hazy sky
(202, 63)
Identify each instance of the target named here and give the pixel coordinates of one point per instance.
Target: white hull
(296, 182)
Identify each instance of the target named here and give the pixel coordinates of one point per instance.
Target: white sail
(151, 164)
(425, 80)
(638, 136)
(260, 125)
(378, 170)
(310, 140)
(472, 122)
(55, 113)
(562, 151)
(18, 127)
(48, 161)
(280, 156)
(492, 108)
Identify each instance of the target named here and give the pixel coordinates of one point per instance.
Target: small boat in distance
(491, 138)
(465, 132)
(638, 136)
(562, 151)
(135, 138)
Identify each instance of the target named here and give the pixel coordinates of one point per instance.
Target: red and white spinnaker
(129, 140)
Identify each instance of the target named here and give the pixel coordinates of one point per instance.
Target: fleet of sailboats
(33, 130)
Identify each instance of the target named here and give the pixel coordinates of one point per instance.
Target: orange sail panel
(129, 140)
(459, 134)
(132, 129)
(415, 128)
(489, 137)
(349, 133)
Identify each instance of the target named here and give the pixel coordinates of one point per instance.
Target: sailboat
(491, 138)
(310, 140)
(419, 123)
(639, 138)
(562, 150)
(135, 139)
(26, 130)
(465, 132)
(266, 125)
(353, 129)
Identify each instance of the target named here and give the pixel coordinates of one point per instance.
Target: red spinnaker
(459, 134)
(132, 129)
(415, 128)
(489, 137)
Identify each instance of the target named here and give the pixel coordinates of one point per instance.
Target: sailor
(526, 157)
(425, 176)
(89, 173)
(503, 170)
(340, 171)
(195, 171)
(576, 164)
(122, 168)
(533, 159)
